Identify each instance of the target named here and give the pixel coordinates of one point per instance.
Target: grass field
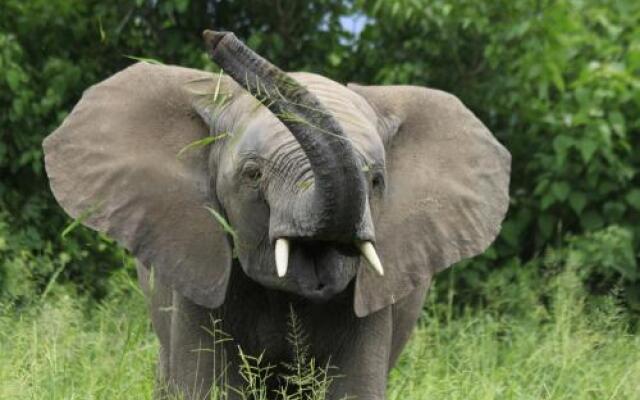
(66, 348)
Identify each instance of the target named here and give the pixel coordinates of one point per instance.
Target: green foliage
(542, 314)
(558, 82)
(304, 380)
(558, 346)
(51, 51)
(71, 347)
(605, 261)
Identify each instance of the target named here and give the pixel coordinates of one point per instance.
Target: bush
(556, 81)
(560, 347)
(518, 345)
(50, 52)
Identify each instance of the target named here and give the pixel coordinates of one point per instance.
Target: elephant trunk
(338, 195)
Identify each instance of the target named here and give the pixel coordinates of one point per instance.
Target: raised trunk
(338, 193)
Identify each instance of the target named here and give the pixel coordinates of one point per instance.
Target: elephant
(253, 194)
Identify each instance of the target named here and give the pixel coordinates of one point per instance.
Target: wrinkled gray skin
(256, 309)
(363, 349)
(408, 168)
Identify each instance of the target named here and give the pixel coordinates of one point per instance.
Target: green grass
(569, 351)
(70, 349)
(565, 349)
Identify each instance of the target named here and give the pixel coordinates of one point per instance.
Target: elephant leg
(192, 349)
(189, 359)
(363, 359)
(405, 314)
(159, 302)
(201, 361)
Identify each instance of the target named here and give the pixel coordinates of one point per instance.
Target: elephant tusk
(282, 256)
(369, 253)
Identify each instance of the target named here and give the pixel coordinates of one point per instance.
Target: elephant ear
(446, 190)
(113, 164)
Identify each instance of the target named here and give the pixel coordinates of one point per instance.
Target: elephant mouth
(312, 268)
(333, 208)
(319, 270)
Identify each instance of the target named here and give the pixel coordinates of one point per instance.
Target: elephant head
(305, 181)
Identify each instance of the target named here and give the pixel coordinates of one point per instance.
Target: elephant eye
(377, 181)
(251, 172)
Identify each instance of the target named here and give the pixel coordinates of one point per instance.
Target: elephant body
(360, 351)
(256, 196)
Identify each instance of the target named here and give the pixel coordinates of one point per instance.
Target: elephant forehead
(265, 134)
(354, 114)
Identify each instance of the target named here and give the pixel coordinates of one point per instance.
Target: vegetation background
(551, 310)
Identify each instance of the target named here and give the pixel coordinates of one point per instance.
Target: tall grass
(549, 345)
(73, 349)
(566, 349)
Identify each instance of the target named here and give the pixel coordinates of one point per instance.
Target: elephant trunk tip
(212, 38)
